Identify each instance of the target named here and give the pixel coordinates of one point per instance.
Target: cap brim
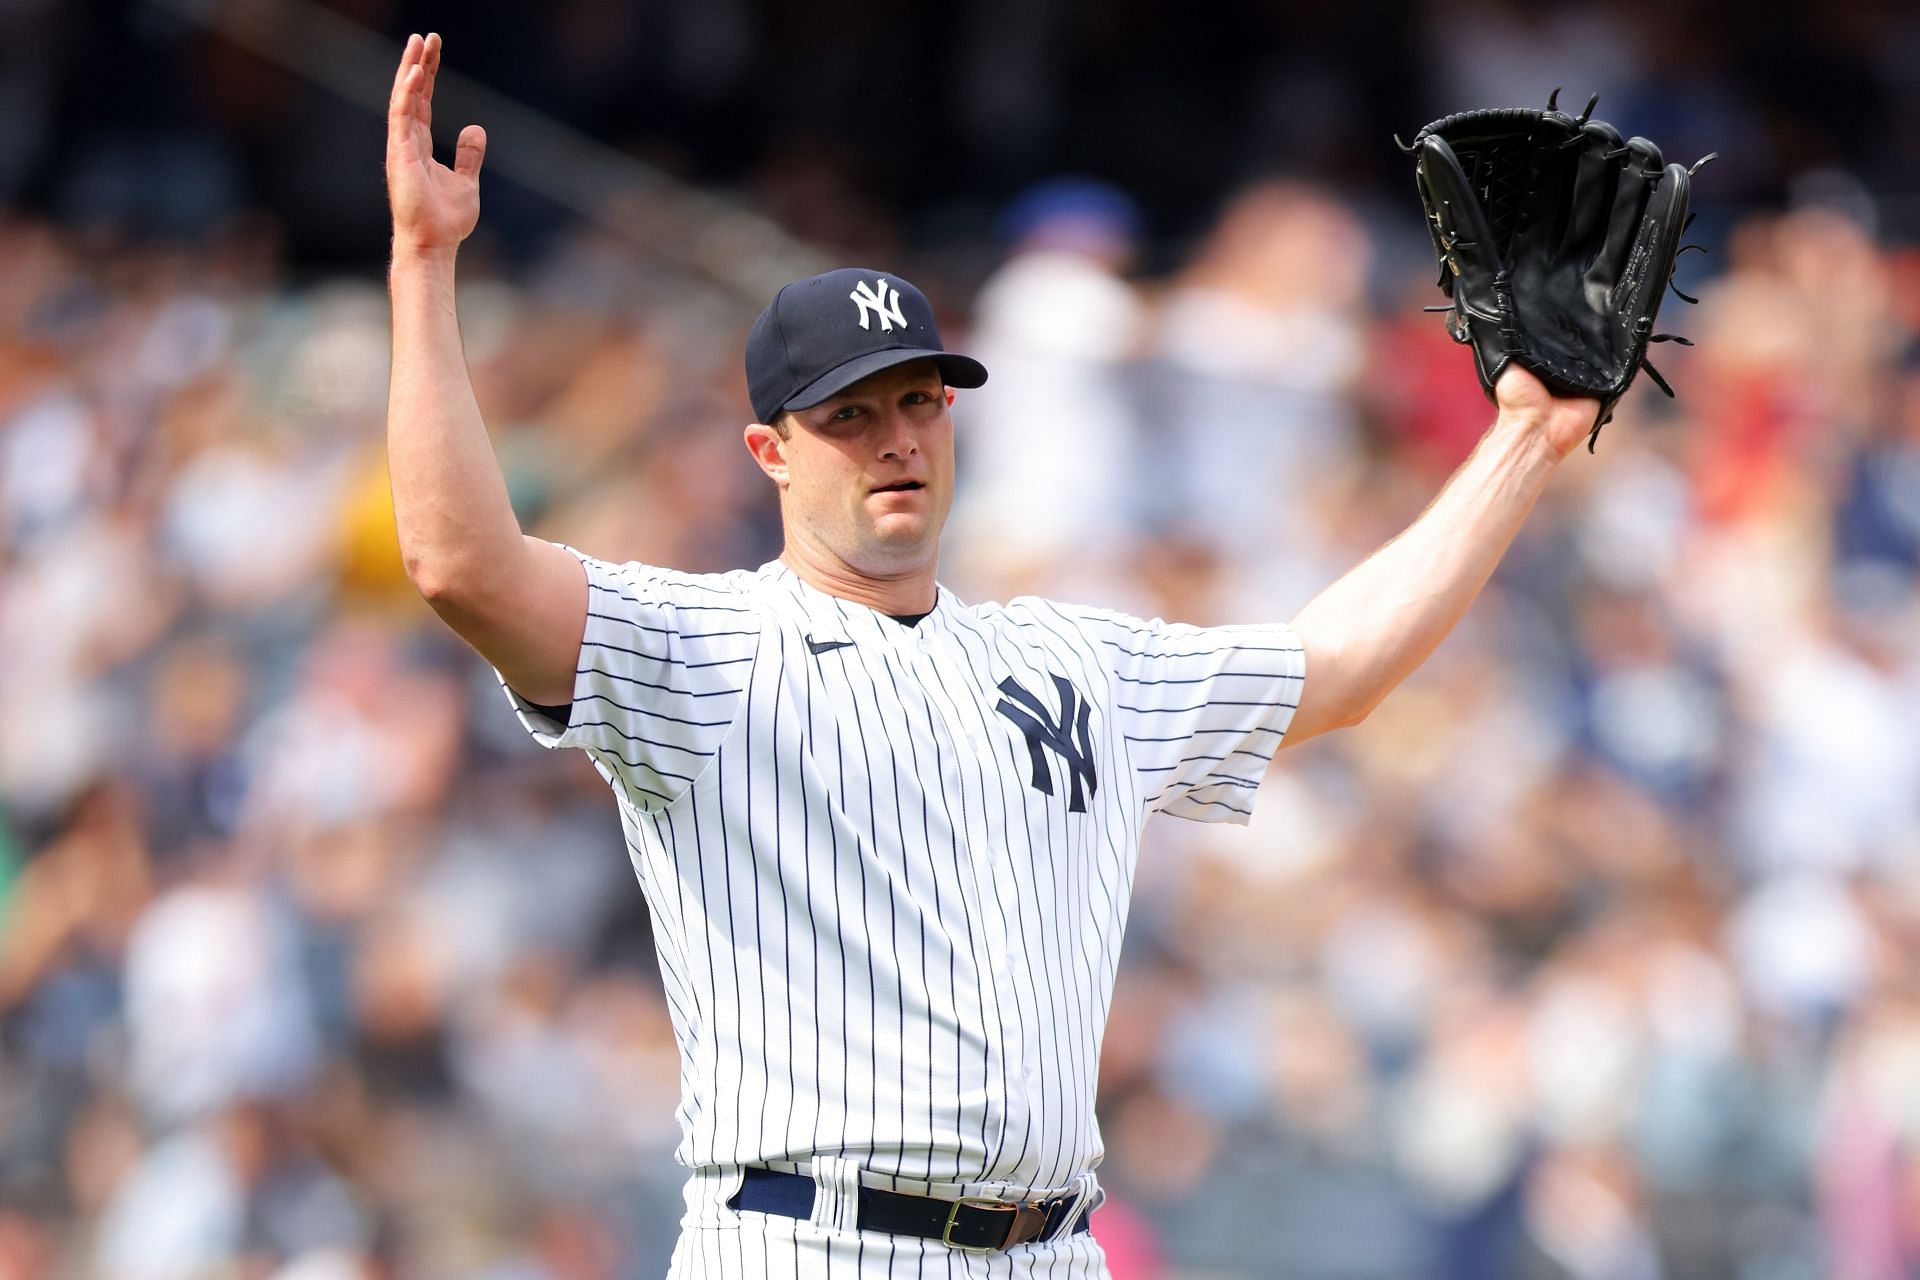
(955, 371)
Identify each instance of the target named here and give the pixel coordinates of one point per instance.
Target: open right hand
(434, 207)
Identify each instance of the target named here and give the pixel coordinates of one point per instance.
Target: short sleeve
(662, 670)
(1202, 709)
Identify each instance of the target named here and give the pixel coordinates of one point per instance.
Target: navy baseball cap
(821, 335)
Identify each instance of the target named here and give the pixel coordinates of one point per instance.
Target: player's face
(868, 475)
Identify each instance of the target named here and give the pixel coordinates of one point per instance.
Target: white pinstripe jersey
(889, 866)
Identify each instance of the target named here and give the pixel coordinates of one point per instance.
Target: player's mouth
(900, 486)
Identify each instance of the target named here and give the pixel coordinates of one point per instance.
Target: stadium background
(1593, 954)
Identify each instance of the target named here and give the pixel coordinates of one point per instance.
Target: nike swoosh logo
(826, 646)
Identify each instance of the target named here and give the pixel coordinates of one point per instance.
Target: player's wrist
(408, 251)
(1534, 437)
(422, 266)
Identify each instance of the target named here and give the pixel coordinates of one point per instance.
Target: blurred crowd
(1591, 954)
(870, 124)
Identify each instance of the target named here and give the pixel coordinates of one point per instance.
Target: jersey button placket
(1006, 888)
(1005, 952)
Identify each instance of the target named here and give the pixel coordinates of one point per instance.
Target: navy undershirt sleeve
(561, 715)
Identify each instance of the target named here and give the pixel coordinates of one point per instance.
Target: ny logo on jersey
(1067, 736)
(879, 299)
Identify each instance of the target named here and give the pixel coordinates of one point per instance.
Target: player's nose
(896, 436)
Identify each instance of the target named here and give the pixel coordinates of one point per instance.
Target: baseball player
(887, 837)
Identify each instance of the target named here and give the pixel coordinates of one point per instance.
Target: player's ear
(949, 391)
(769, 449)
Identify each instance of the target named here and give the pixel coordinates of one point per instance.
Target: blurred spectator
(1052, 467)
(1254, 350)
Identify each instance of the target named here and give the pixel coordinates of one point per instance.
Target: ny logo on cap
(882, 300)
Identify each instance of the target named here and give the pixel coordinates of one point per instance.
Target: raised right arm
(520, 601)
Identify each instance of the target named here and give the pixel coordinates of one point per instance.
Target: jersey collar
(830, 617)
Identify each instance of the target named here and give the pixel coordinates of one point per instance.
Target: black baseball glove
(1556, 240)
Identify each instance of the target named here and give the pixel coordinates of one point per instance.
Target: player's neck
(912, 591)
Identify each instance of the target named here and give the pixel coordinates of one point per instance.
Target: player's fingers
(417, 111)
(429, 68)
(401, 136)
(397, 101)
(470, 151)
(420, 97)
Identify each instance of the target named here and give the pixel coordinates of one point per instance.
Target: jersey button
(926, 644)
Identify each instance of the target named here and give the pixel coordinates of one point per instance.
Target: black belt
(980, 1224)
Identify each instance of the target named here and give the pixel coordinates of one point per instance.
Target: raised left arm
(1368, 631)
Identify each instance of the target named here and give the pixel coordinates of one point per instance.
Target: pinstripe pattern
(881, 938)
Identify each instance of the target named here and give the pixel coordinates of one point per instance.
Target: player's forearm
(458, 533)
(1369, 630)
